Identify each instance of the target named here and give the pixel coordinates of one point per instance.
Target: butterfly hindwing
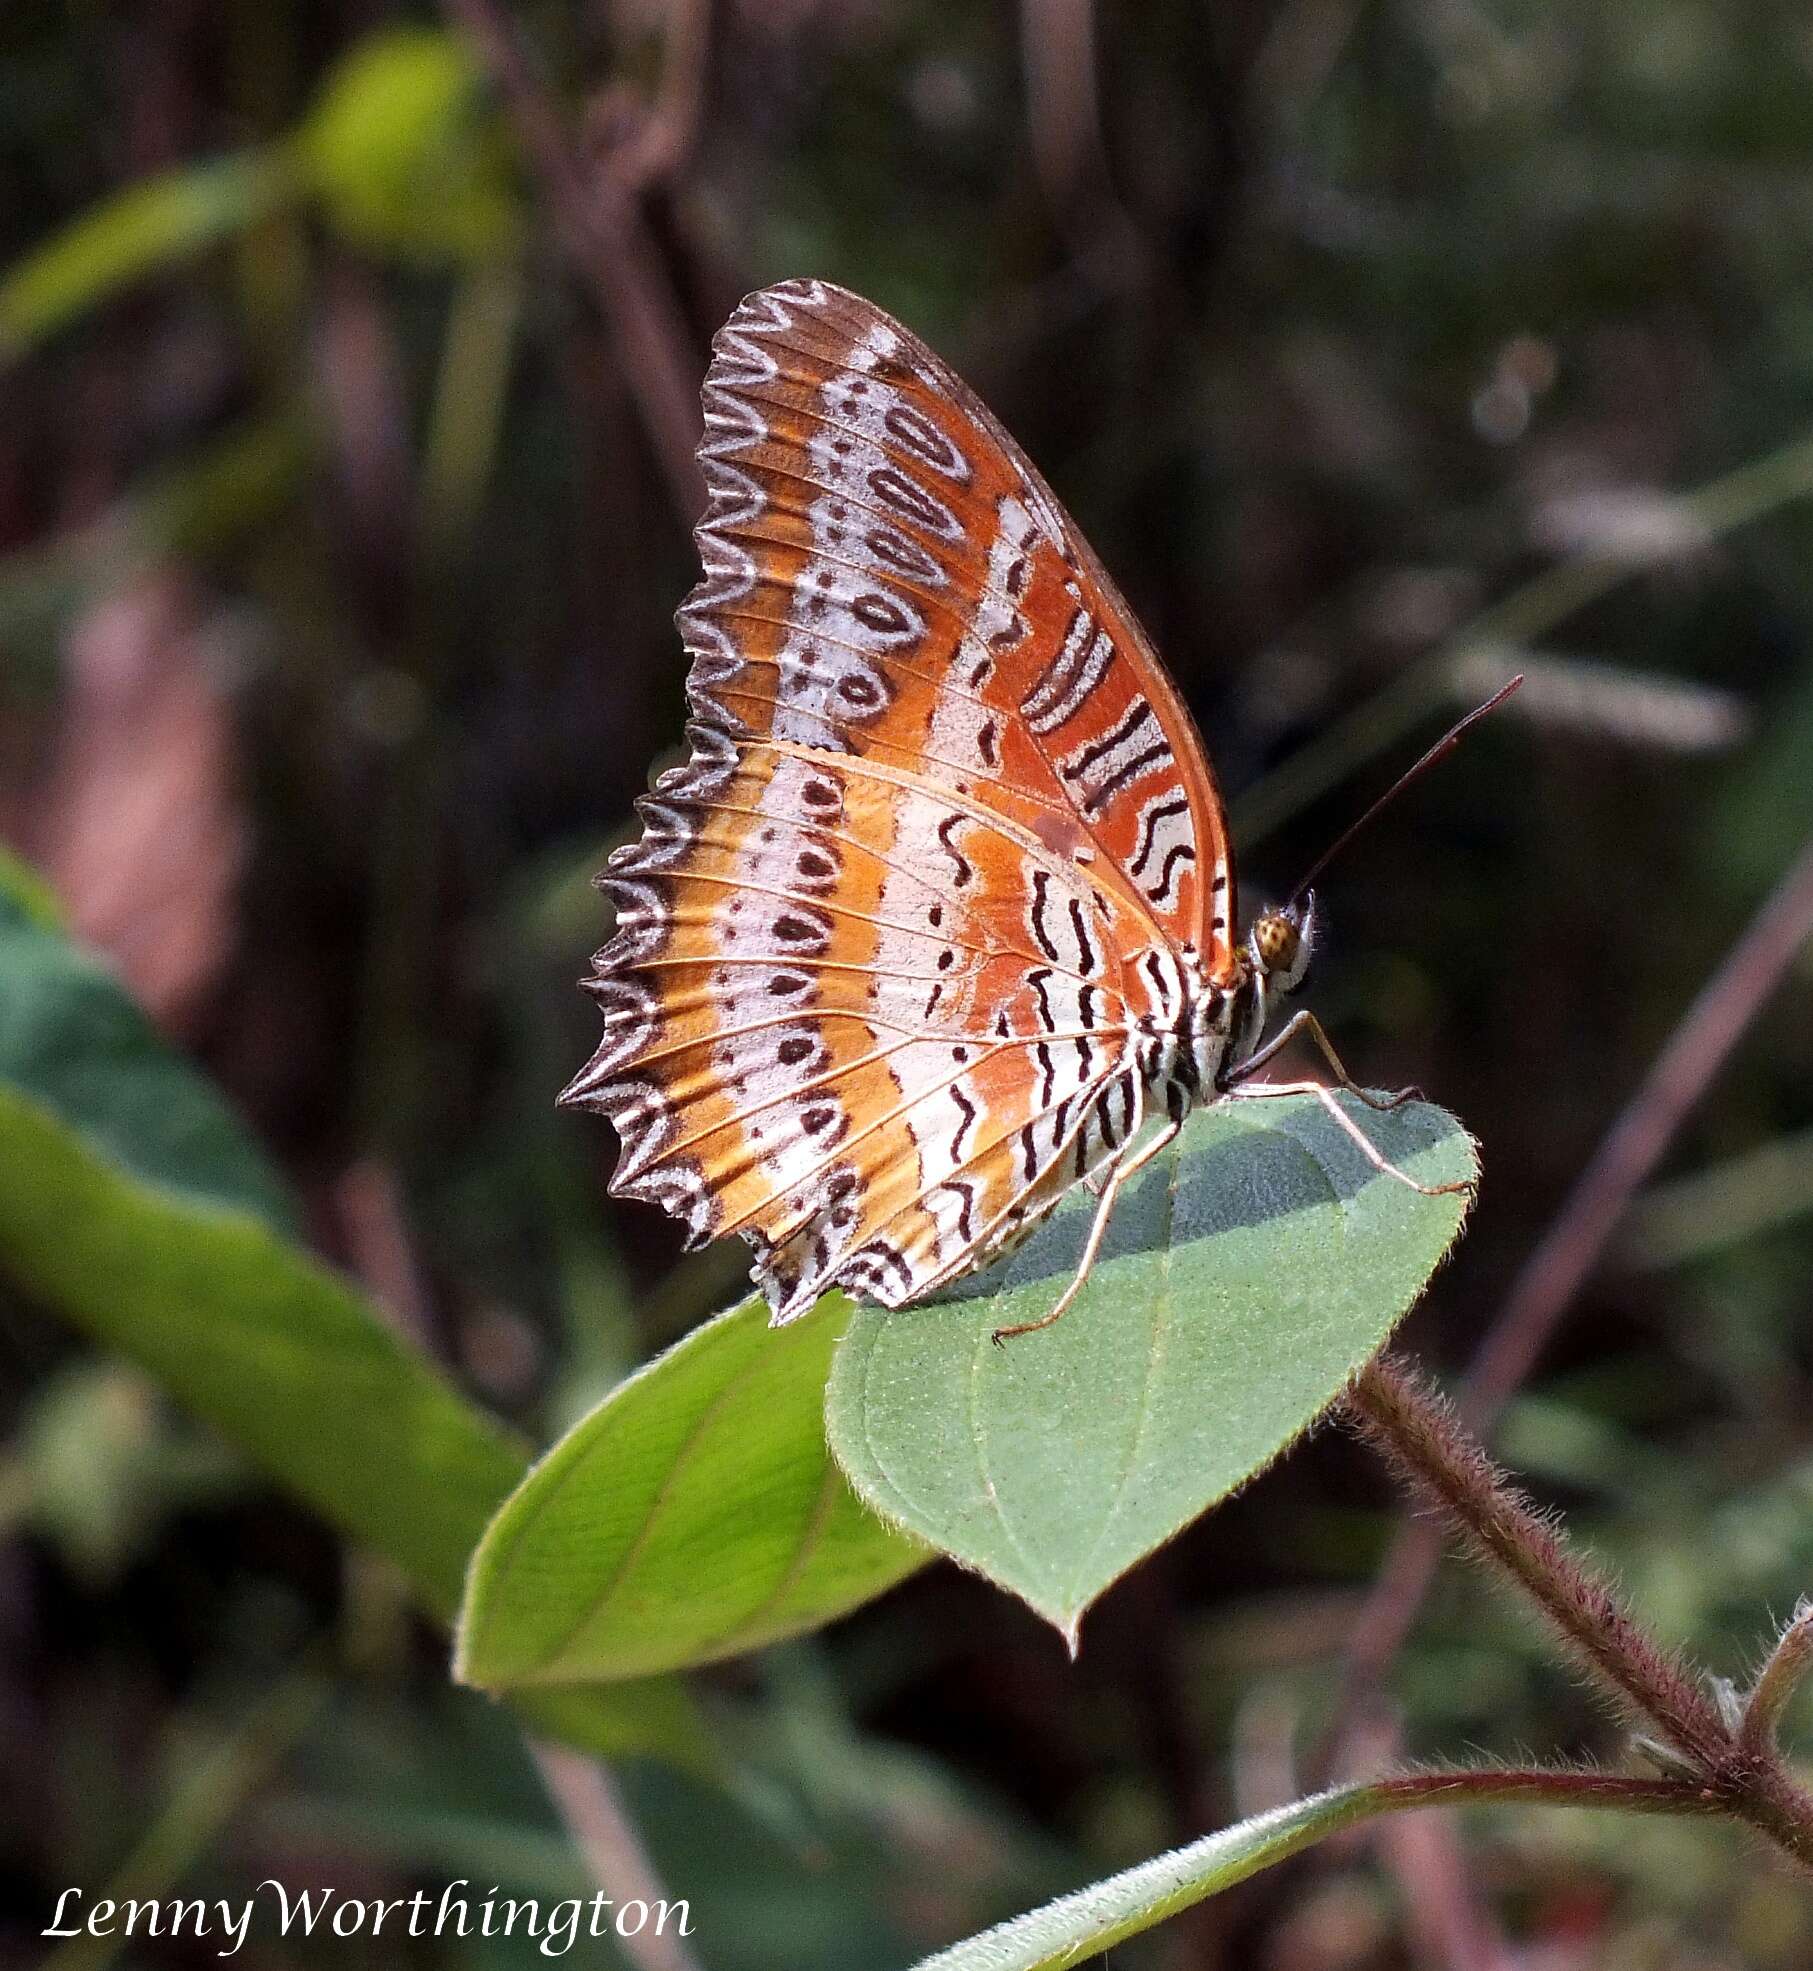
(852, 1020)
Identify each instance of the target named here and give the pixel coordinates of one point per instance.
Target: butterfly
(940, 914)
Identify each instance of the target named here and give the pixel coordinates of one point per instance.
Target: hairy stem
(1554, 1273)
(1422, 1439)
(1777, 1682)
(1543, 1786)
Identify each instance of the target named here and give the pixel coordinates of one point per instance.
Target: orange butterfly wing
(887, 573)
(885, 947)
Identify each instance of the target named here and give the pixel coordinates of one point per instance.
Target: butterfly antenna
(1436, 753)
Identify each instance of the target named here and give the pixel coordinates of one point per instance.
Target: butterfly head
(1280, 943)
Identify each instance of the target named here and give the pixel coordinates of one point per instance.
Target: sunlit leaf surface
(695, 1513)
(1247, 1275)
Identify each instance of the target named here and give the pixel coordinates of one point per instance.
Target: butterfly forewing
(879, 961)
(887, 573)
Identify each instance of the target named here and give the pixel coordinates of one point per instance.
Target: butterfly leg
(1097, 1231)
(1369, 1150)
(1306, 1024)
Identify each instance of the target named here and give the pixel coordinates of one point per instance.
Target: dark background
(343, 510)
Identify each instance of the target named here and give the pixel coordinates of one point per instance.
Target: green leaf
(106, 1460)
(72, 1042)
(1249, 1273)
(132, 1202)
(695, 1513)
(24, 894)
(1082, 1925)
(130, 236)
(1088, 1921)
(405, 151)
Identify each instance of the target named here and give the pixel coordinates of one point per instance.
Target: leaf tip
(460, 1668)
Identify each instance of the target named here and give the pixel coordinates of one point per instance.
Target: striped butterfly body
(940, 912)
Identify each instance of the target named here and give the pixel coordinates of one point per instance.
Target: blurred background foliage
(343, 509)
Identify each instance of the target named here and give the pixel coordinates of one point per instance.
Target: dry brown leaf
(138, 827)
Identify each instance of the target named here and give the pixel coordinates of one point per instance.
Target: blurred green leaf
(74, 1045)
(132, 1202)
(1767, 812)
(694, 1514)
(24, 893)
(215, 1782)
(405, 151)
(401, 147)
(133, 234)
(1248, 1274)
(434, 1784)
(219, 493)
(105, 1461)
(1688, 1217)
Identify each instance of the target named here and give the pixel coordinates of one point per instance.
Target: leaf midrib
(638, 1542)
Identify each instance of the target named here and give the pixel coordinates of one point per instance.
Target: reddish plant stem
(585, 1795)
(1420, 1436)
(666, 131)
(1777, 1682)
(1544, 1787)
(603, 229)
(1064, 125)
(1425, 1443)
(1697, 1049)
(1447, 1926)
(1560, 1264)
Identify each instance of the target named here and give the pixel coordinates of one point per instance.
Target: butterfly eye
(1281, 944)
(1275, 939)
